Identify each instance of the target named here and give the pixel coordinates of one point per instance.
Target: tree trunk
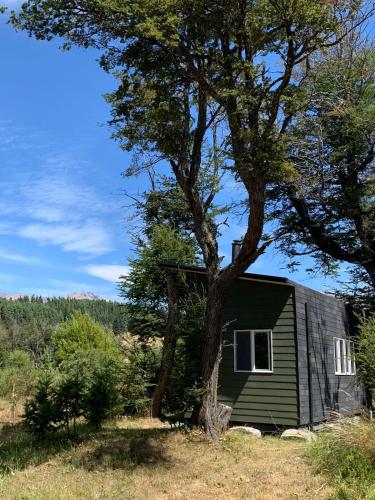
(210, 416)
(169, 348)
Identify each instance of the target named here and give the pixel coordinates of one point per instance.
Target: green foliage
(329, 210)
(358, 291)
(68, 398)
(17, 377)
(346, 456)
(41, 414)
(184, 390)
(28, 324)
(161, 52)
(87, 383)
(365, 355)
(103, 399)
(145, 286)
(81, 333)
(140, 375)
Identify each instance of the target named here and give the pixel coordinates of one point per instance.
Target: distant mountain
(8, 296)
(84, 296)
(75, 295)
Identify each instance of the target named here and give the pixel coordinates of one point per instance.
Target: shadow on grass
(126, 449)
(109, 448)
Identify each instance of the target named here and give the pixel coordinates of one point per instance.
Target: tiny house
(288, 353)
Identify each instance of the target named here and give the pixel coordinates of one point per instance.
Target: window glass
(243, 355)
(353, 367)
(261, 351)
(344, 357)
(337, 356)
(348, 358)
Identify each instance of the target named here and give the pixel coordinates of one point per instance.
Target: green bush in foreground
(41, 414)
(103, 400)
(87, 384)
(346, 455)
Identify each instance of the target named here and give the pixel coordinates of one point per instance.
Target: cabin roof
(245, 276)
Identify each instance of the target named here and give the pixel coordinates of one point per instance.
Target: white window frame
(344, 356)
(253, 368)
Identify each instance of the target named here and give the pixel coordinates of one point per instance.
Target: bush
(41, 414)
(81, 333)
(366, 352)
(86, 384)
(68, 398)
(103, 400)
(347, 455)
(140, 375)
(17, 378)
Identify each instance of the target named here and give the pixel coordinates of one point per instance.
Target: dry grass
(143, 459)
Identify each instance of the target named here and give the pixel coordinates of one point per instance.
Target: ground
(144, 459)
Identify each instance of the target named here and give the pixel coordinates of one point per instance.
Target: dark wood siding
(261, 398)
(327, 318)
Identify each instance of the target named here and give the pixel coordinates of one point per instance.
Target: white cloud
(51, 198)
(15, 257)
(89, 238)
(110, 273)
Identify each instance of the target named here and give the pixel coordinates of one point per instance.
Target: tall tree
(330, 213)
(154, 295)
(181, 66)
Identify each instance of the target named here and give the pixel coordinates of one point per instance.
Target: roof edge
(245, 276)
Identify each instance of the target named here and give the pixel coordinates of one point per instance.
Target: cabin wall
(327, 318)
(261, 398)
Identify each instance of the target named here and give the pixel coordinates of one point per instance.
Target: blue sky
(64, 226)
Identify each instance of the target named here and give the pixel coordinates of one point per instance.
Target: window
(253, 351)
(344, 357)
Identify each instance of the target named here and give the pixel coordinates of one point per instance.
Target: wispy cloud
(16, 257)
(89, 238)
(110, 273)
(50, 199)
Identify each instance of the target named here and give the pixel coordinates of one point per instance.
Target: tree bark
(211, 357)
(169, 348)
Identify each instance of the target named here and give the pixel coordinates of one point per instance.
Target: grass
(346, 455)
(143, 459)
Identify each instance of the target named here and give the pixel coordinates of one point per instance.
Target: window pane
(348, 358)
(337, 356)
(353, 358)
(343, 357)
(261, 350)
(243, 351)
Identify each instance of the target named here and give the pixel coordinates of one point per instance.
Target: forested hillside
(28, 323)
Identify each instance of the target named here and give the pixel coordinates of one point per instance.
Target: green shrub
(365, 354)
(17, 378)
(68, 398)
(41, 414)
(85, 384)
(140, 375)
(103, 400)
(346, 455)
(81, 333)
